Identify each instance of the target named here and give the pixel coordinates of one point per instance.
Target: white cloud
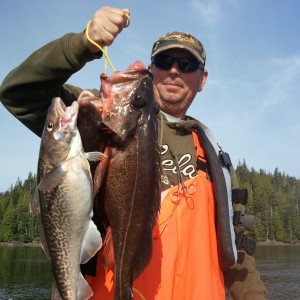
(284, 76)
(209, 11)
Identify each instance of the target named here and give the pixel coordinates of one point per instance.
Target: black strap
(226, 254)
(201, 165)
(244, 243)
(240, 196)
(224, 159)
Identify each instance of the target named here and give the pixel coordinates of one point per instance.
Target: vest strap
(244, 243)
(201, 165)
(240, 196)
(218, 163)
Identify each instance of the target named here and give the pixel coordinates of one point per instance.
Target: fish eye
(139, 100)
(49, 126)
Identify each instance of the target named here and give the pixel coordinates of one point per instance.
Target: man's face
(175, 90)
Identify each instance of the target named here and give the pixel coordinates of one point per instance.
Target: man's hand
(105, 25)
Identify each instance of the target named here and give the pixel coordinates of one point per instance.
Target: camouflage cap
(181, 40)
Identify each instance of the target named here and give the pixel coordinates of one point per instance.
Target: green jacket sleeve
(27, 91)
(243, 279)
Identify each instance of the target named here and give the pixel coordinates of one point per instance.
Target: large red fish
(131, 192)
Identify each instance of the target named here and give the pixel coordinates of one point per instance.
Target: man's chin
(171, 97)
(170, 107)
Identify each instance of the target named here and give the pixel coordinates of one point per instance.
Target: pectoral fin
(100, 171)
(35, 203)
(107, 259)
(90, 156)
(94, 156)
(51, 179)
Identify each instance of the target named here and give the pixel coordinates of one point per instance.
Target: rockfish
(64, 193)
(131, 185)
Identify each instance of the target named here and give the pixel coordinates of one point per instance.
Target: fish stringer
(105, 49)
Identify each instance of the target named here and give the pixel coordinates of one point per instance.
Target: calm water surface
(280, 270)
(25, 272)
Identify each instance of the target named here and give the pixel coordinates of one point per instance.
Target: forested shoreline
(274, 198)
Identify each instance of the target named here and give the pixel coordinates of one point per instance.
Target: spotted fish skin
(131, 189)
(65, 199)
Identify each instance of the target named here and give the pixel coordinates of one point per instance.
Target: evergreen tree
(273, 198)
(9, 225)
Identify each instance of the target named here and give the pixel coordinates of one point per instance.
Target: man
(193, 240)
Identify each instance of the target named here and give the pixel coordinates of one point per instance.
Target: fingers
(105, 25)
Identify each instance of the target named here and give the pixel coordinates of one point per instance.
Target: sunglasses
(185, 64)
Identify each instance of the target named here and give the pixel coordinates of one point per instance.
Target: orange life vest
(185, 263)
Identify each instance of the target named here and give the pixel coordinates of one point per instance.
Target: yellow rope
(128, 20)
(105, 61)
(104, 50)
(97, 45)
(139, 293)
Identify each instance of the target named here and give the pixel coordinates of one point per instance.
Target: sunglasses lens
(185, 64)
(188, 64)
(163, 62)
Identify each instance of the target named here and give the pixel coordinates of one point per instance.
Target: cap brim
(174, 46)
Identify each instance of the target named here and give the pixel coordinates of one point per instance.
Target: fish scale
(58, 242)
(59, 216)
(64, 194)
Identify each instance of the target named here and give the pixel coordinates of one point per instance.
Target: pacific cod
(64, 192)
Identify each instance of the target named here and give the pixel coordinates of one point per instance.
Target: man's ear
(203, 80)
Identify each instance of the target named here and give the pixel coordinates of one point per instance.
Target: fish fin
(84, 291)
(94, 156)
(92, 242)
(84, 163)
(35, 203)
(100, 171)
(54, 292)
(44, 242)
(51, 179)
(107, 258)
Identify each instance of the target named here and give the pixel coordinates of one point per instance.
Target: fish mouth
(121, 79)
(66, 118)
(119, 116)
(64, 111)
(67, 114)
(117, 109)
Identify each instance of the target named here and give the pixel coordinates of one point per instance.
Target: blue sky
(251, 100)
